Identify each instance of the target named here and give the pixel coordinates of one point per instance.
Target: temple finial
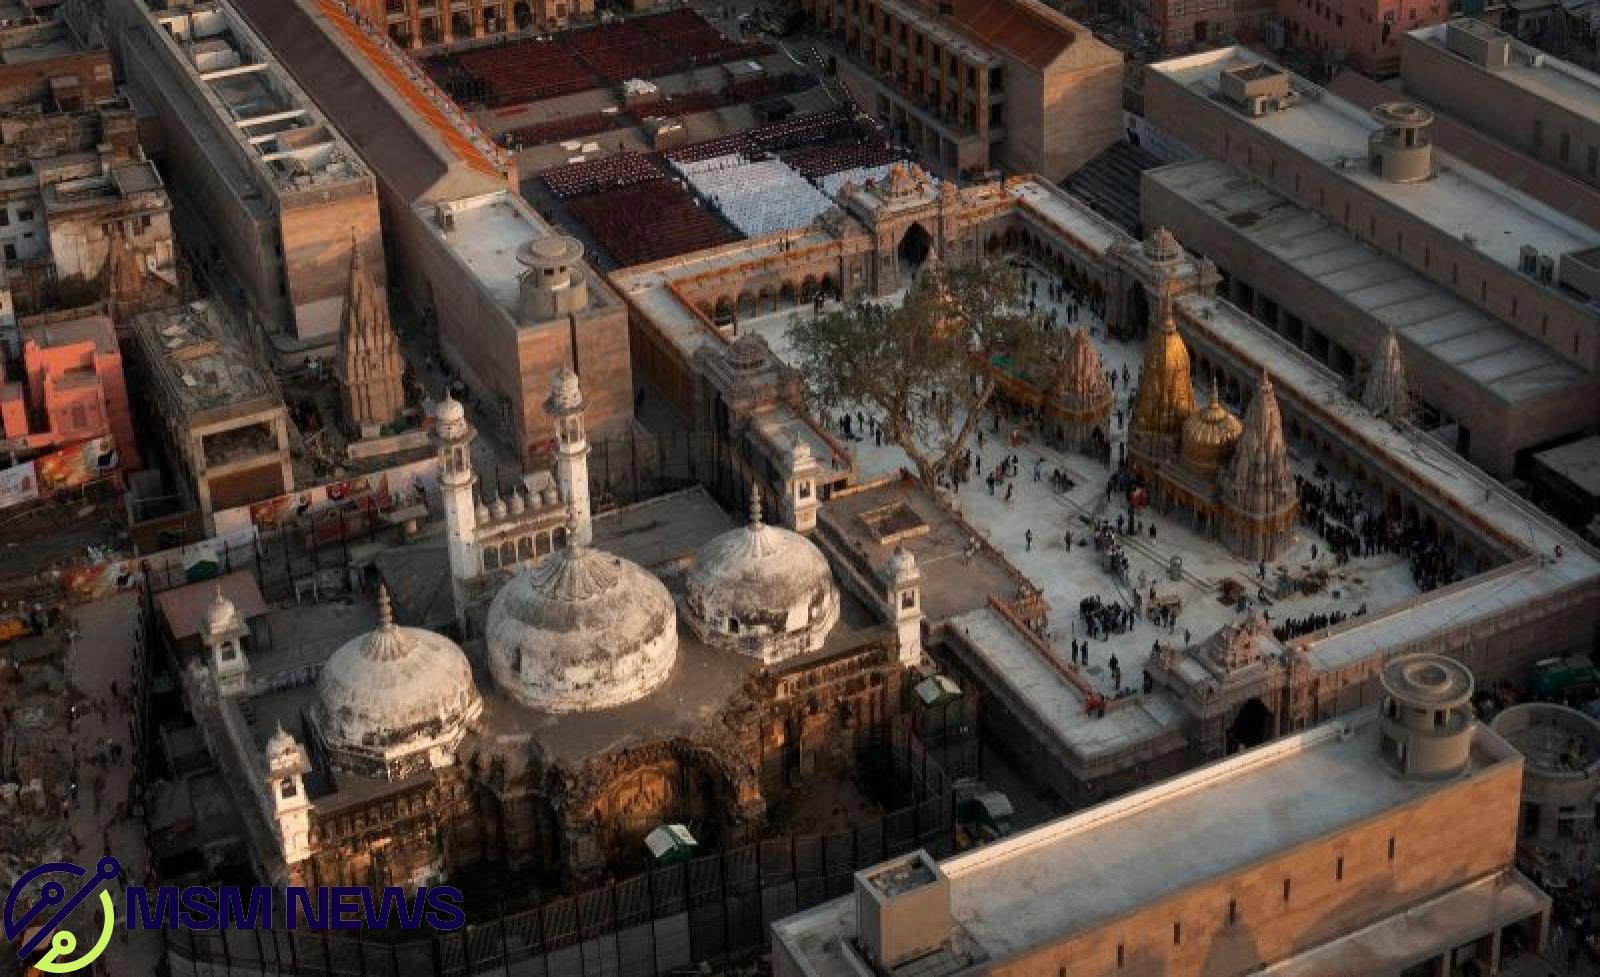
(755, 506)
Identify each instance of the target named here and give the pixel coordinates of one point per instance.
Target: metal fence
(710, 908)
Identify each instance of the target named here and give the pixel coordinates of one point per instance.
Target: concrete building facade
(420, 23)
(220, 410)
(284, 196)
(1334, 224)
(1542, 106)
(1398, 872)
(979, 83)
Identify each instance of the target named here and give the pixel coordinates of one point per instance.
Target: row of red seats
(575, 127)
(622, 51)
(812, 163)
(795, 131)
(622, 170)
(650, 221)
(526, 71)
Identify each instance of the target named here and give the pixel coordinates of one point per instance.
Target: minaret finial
(1214, 398)
(385, 608)
(755, 506)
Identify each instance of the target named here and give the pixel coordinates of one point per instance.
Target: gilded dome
(1166, 395)
(581, 631)
(1081, 388)
(393, 692)
(761, 590)
(1209, 436)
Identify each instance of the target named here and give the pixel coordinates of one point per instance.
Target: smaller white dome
(221, 615)
(902, 566)
(566, 394)
(517, 504)
(761, 590)
(281, 744)
(482, 510)
(451, 417)
(497, 508)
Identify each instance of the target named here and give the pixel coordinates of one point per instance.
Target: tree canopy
(922, 367)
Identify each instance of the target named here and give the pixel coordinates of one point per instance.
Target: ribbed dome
(761, 590)
(392, 692)
(1209, 436)
(1166, 396)
(566, 394)
(581, 631)
(1081, 388)
(450, 413)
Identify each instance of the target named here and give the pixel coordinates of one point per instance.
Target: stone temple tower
(565, 406)
(1387, 394)
(1260, 500)
(369, 367)
(454, 435)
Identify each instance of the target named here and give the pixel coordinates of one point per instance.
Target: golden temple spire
(1166, 394)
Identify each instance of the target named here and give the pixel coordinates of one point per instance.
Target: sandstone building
(979, 84)
(284, 196)
(1335, 225)
(221, 414)
(416, 23)
(1391, 850)
(465, 246)
(1543, 107)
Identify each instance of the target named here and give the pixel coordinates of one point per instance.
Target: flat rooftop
(1033, 888)
(283, 132)
(1504, 362)
(1556, 81)
(485, 234)
(198, 357)
(1459, 200)
(1578, 463)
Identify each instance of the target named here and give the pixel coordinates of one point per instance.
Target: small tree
(924, 366)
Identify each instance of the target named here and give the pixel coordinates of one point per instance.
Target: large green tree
(921, 366)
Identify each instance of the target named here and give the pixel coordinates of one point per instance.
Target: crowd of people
(1352, 529)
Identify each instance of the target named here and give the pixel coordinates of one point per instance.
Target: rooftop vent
(903, 909)
(1478, 42)
(1256, 87)
(1400, 151)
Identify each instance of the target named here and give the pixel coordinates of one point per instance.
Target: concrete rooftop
(1459, 200)
(1500, 360)
(1084, 869)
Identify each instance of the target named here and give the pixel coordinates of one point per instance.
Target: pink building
(72, 389)
(1364, 34)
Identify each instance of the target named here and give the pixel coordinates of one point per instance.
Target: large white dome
(394, 698)
(761, 590)
(584, 630)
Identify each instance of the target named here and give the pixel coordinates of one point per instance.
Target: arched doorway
(914, 247)
(1136, 311)
(1252, 726)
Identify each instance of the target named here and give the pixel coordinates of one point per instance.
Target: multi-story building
(1364, 34)
(1541, 106)
(43, 61)
(283, 196)
(70, 389)
(1335, 224)
(976, 84)
(1383, 843)
(513, 299)
(219, 408)
(416, 23)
